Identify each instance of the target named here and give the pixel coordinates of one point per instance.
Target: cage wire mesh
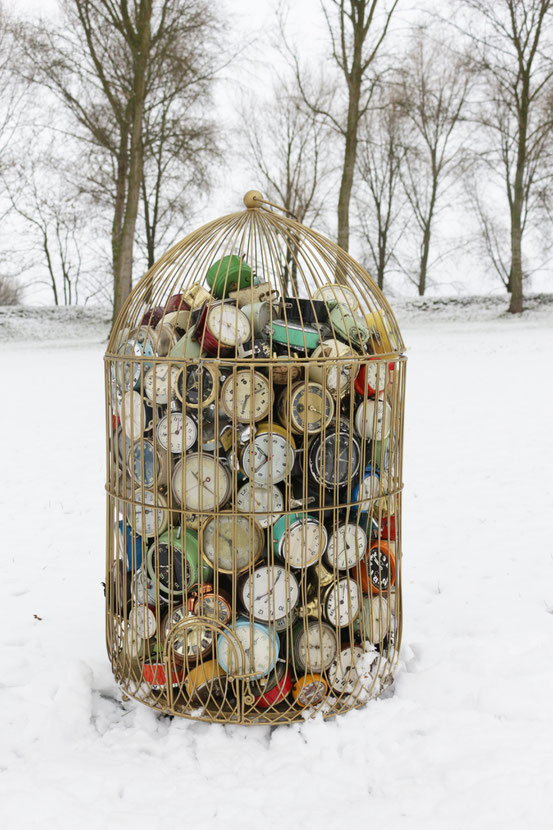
(254, 411)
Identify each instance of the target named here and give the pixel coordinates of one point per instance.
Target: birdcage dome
(255, 397)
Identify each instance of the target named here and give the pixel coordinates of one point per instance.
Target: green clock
(349, 325)
(228, 274)
(294, 335)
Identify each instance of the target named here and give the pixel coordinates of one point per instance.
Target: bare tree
(39, 194)
(382, 200)
(356, 30)
(512, 51)
(288, 147)
(113, 63)
(434, 87)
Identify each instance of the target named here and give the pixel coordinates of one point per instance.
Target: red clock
(370, 376)
(376, 572)
(154, 675)
(277, 693)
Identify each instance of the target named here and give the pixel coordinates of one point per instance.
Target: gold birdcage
(254, 411)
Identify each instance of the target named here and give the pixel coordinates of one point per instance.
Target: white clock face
(342, 603)
(303, 543)
(246, 396)
(316, 648)
(134, 414)
(231, 543)
(373, 621)
(346, 546)
(375, 375)
(312, 693)
(336, 294)
(179, 430)
(267, 596)
(143, 589)
(260, 651)
(267, 503)
(142, 620)
(368, 491)
(144, 520)
(373, 420)
(156, 383)
(201, 482)
(271, 460)
(228, 325)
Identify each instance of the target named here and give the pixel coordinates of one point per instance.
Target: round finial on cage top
(252, 199)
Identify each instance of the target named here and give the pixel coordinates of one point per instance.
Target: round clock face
(270, 461)
(333, 294)
(368, 491)
(372, 378)
(311, 408)
(166, 568)
(373, 420)
(349, 324)
(338, 462)
(201, 482)
(312, 692)
(143, 463)
(228, 325)
(231, 543)
(142, 620)
(178, 430)
(336, 377)
(379, 569)
(134, 414)
(373, 623)
(157, 386)
(346, 546)
(143, 588)
(246, 396)
(147, 521)
(213, 606)
(197, 386)
(343, 676)
(342, 602)
(303, 543)
(260, 651)
(266, 503)
(266, 594)
(192, 641)
(316, 647)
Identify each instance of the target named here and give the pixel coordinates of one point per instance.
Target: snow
(465, 736)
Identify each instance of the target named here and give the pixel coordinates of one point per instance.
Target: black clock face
(379, 569)
(260, 349)
(198, 385)
(213, 606)
(171, 576)
(334, 465)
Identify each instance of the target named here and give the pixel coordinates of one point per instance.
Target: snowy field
(464, 740)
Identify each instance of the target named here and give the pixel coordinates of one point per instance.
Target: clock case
(252, 256)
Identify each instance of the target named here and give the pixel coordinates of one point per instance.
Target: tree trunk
(515, 306)
(350, 153)
(123, 256)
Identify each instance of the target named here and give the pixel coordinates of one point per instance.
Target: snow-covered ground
(465, 739)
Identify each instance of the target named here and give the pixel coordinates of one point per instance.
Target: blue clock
(261, 649)
(130, 546)
(366, 491)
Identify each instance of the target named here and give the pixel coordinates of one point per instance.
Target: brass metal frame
(163, 325)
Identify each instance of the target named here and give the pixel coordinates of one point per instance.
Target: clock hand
(244, 404)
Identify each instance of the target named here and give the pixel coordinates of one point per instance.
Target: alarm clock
(173, 563)
(204, 601)
(193, 641)
(148, 514)
(231, 544)
(309, 690)
(377, 571)
(333, 460)
(266, 504)
(222, 328)
(177, 432)
(292, 335)
(373, 621)
(347, 545)
(349, 325)
(299, 539)
(129, 545)
(197, 386)
(269, 592)
(269, 457)
(314, 645)
(336, 376)
(251, 649)
(228, 274)
(373, 420)
(305, 408)
(366, 491)
(274, 688)
(200, 482)
(246, 396)
(333, 294)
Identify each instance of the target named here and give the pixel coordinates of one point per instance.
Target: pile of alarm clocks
(254, 498)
